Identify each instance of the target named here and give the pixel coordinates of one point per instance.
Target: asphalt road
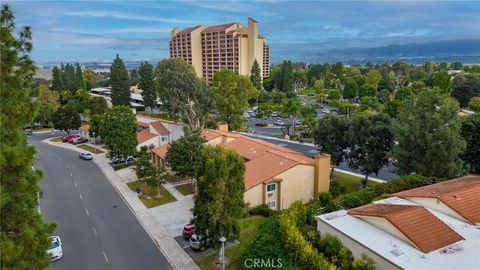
(97, 228)
(386, 173)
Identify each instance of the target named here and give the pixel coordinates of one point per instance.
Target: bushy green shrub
(336, 189)
(269, 246)
(262, 210)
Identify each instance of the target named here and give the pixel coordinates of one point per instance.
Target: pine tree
(79, 83)
(69, 79)
(218, 203)
(24, 236)
(149, 93)
(427, 130)
(120, 83)
(255, 76)
(57, 82)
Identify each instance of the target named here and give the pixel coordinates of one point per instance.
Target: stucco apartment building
(431, 227)
(274, 175)
(232, 46)
(157, 132)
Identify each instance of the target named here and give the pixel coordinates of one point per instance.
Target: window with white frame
(272, 204)
(271, 187)
(164, 139)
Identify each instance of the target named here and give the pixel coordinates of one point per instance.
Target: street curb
(157, 242)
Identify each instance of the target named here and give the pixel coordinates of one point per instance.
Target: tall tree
(134, 77)
(218, 203)
(154, 176)
(183, 155)
(97, 105)
(373, 78)
(471, 134)
(79, 83)
(330, 137)
(370, 138)
(66, 118)
(287, 77)
(292, 107)
(57, 81)
(255, 76)
(231, 93)
(69, 79)
(119, 132)
(427, 130)
(24, 235)
(443, 81)
(147, 85)
(464, 87)
(366, 90)
(120, 83)
(474, 104)
(351, 89)
(43, 113)
(182, 92)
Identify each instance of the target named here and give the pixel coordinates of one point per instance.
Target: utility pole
(222, 251)
(94, 144)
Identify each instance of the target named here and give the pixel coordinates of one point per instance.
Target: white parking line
(105, 255)
(66, 165)
(186, 247)
(71, 174)
(88, 214)
(81, 198)
(95, 231)
(75, 183)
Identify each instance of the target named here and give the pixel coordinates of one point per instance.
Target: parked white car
(278, 122)
(55, 250)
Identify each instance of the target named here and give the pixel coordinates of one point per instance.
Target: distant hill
(467, 51)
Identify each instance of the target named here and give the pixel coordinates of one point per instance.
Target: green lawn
(248, 228)
(56, 139)
(185, 189)
(351, 183)
(90, 149)
(149, 194)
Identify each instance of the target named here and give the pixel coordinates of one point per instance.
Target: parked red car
(73, 138)
(68, 137)
(188, 230)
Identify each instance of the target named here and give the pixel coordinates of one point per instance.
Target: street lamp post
(222, 252)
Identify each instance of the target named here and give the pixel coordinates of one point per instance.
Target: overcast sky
(84, 31)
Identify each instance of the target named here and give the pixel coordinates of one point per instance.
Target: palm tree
(292, 107)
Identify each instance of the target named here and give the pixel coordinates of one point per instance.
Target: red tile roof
(461, 194)
(264, 168)
(161, 151)
(142, 124)
(216, 28)
(188, 30)
(144, 136)
(160, 128)
(422, 228)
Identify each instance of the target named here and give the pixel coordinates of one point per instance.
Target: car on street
(86, 156)
(274, 114)
(325, 110)
(73, 138)
(311, 94)
(80, 140)
(198, 242)
(278, 122)
(188, 230)
(68, 137)
(55, 250)
(298, 121)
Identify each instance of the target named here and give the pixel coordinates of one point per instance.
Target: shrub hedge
(262, 210)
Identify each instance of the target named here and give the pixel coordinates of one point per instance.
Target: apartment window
(271, 187)
(164, 139)
(272, 205)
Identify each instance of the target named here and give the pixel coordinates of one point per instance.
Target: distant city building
(232, 46)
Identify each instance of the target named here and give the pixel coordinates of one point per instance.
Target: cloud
(145, 29)
(123, 16)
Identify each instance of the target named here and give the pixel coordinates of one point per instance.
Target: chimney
(322, 174)
(223, 127)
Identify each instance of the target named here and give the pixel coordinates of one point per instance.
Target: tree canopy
(231, 93)
(182, 92)
(23, 233)
(120, 83)
(255, 76)
(66, 118)
(183, 155)
(147, 85)
(427, 130)
(118, 130)
(218, 202)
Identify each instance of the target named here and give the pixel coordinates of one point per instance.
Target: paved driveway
(173, 216)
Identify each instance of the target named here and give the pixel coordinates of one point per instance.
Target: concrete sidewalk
(165, 242)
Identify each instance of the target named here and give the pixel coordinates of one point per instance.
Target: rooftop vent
(397, 252)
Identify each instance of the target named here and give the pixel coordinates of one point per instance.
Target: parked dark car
(198, 242)
(121, 160)
(86, 156)
(188, 231)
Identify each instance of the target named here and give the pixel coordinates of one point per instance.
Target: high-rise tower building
(232, 46)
